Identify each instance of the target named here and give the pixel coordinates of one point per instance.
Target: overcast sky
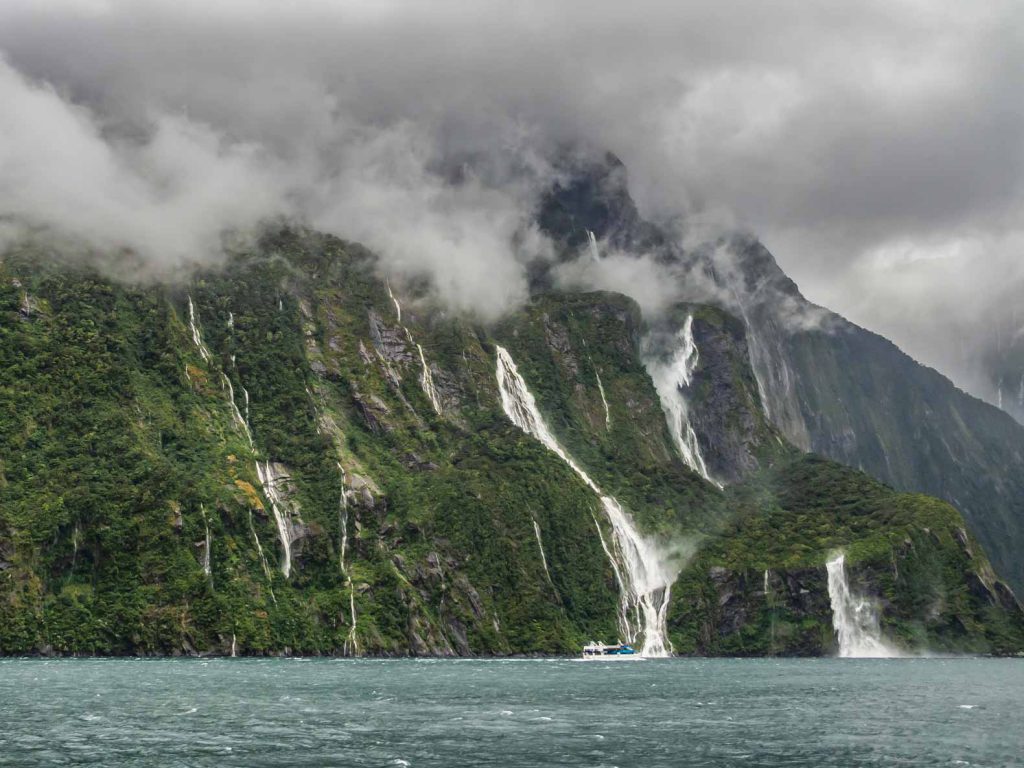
(876, 147)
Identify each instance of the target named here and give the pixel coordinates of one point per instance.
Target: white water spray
(646, 574)
(854, 617)
(197, 337)
(670, 375)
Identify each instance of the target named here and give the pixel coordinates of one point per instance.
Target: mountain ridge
(170, 451)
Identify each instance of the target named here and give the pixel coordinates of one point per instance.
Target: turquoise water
(681, 712)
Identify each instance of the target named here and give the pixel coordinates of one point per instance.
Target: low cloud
(835, 131)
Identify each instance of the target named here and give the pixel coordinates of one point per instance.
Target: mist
(876, 147)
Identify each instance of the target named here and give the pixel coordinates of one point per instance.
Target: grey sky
(877, 147)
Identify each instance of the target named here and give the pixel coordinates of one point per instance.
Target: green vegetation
(121, 455)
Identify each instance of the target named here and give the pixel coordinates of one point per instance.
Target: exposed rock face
(389, 342)
(725, 409)
(374, 412)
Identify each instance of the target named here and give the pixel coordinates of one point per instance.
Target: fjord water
(671, 712)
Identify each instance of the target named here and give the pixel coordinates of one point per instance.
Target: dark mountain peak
(592, 195)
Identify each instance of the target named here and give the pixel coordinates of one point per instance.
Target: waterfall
(540, 546)
(426, 377)
(234, 646)
(644, 574)
(398, 307)
(269, 479)
(343, 517)
(197, 337)
(604, 401)
(236, 415)
(206, 562)
(671, 375)
(351, 645)
(854, 617)
(427, 381)
(765, 581)
(263, 557)
(595, 254)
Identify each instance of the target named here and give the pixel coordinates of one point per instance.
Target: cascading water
(206, 561)
(595, 254)
(426, 376)
(398, 307)
(263, 557)
(671, 374)
(269, 479)
(854, 617)
(644, 573)
(540, 546)
(197, 337)
(236, 415)
(427, 383)
(351, 645)
(604, 401)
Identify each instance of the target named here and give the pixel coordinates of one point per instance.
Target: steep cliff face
(293, 455)
(254, 462)
(827, 385)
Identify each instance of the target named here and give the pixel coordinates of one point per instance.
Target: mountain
(827, 385)
(293, 454)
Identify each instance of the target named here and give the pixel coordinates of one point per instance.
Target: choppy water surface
(681, 712)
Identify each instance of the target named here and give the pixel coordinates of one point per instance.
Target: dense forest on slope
(293, 455)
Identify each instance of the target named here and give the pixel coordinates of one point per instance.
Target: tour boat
(594, 650)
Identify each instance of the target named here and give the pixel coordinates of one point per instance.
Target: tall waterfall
(670, 375)
(854, 617)
(644, 573)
